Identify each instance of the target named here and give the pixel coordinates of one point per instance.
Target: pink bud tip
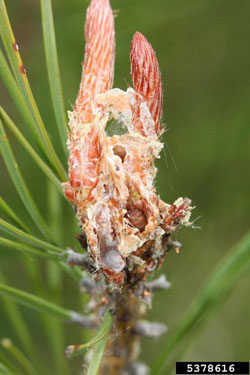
(146, 76)
(98, 66)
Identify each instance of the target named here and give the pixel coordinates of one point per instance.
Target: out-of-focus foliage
(203, 51)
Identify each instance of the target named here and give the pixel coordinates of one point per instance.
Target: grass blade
(19, 356)
(53, 70)
(211, 296)
(18, 233)
(102, 333)
(19, 71)
(36, 303)
(20, 184)
(40, 163)
(4, 207)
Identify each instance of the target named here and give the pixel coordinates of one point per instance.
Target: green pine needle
(4, 370)
(19, 71)
(17, 322)
(20, 185)
(18, 233)
(40, 163)
(102, 333)
(36, 303)
(97, 356)
(4, 207)
(26, 249)
(53, 70)
(211, 296)
(19, 101)
(19, 357)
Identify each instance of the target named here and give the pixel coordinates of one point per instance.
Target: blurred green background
(204, 55)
